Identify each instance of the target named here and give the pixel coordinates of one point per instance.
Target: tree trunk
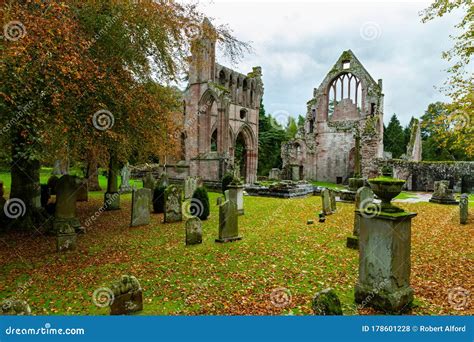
(24, 207)
(92, 174)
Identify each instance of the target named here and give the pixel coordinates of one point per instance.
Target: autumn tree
(459, 86)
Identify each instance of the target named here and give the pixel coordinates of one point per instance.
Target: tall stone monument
(385, 252)
(464, 208)
(125, 179)
(140, 207)
(228, 222)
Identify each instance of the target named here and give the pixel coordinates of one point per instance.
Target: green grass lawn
(278, 250)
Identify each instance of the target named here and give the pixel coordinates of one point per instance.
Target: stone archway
(245, 154)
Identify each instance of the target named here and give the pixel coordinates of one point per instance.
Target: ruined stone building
(220, 119)
(347, 104)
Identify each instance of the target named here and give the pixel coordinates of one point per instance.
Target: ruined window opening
(245, 85)
(346, 64)
(338, 180)
(222, 77)
(298, 149)
(311, 126)
(345, 86)
(214, 141)
(372, 108)
(243, 113)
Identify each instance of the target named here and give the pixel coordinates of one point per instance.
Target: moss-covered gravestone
(385, 252)
(66, 239)
(66, 198)
(193, 231)
(127, 296)
(332, 196)
(326, 199)
(463, 208)
(173, 204)
(140, 207)
(228, 222)
(326, 303)
(14, 307)
(442, 194)
(363, 200)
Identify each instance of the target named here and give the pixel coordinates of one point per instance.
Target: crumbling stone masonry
(347, 104)
(220, 118)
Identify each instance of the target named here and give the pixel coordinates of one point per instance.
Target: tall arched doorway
(240, 155)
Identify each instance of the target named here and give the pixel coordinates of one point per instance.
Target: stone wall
(421, 175)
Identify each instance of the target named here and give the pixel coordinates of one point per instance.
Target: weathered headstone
(190, 185)
(326, 303)
(326, 199)
(464, 208)
(125, 179)
(14, 307)
(127, 296)
(140, 207)
(66, 238)
(173, 207)
(236, 194)
(384, 261)
(442, 194)
(228, 222)
(83, 191)
(193, 231)
(364, 199)
(164, 181)
(149, 181)
(66, 198)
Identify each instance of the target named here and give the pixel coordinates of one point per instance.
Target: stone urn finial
(387, 188)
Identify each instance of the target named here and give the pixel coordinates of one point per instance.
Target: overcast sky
(297, 43)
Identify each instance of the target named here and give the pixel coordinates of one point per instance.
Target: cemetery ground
(279, 252)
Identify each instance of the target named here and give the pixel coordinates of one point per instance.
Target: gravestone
(83, 191)
(14, 307)
(140, 207)
(164, 181)
(193, 231)
(236, 194)
(173, 205)
(442, 194)
(326, 303)
(127, 296)
(364, 198)
(463, 208)
(66, 198)
(326, 199)
(332, 195)
(190, 185)
(228, 222)
(149, 181)
(125, 179)
(66, 238)
(384, 261)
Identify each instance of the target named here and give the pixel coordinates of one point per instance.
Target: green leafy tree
(291, 128)
(394, 137)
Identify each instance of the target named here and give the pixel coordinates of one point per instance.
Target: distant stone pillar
(463, 208)
(236, 195)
